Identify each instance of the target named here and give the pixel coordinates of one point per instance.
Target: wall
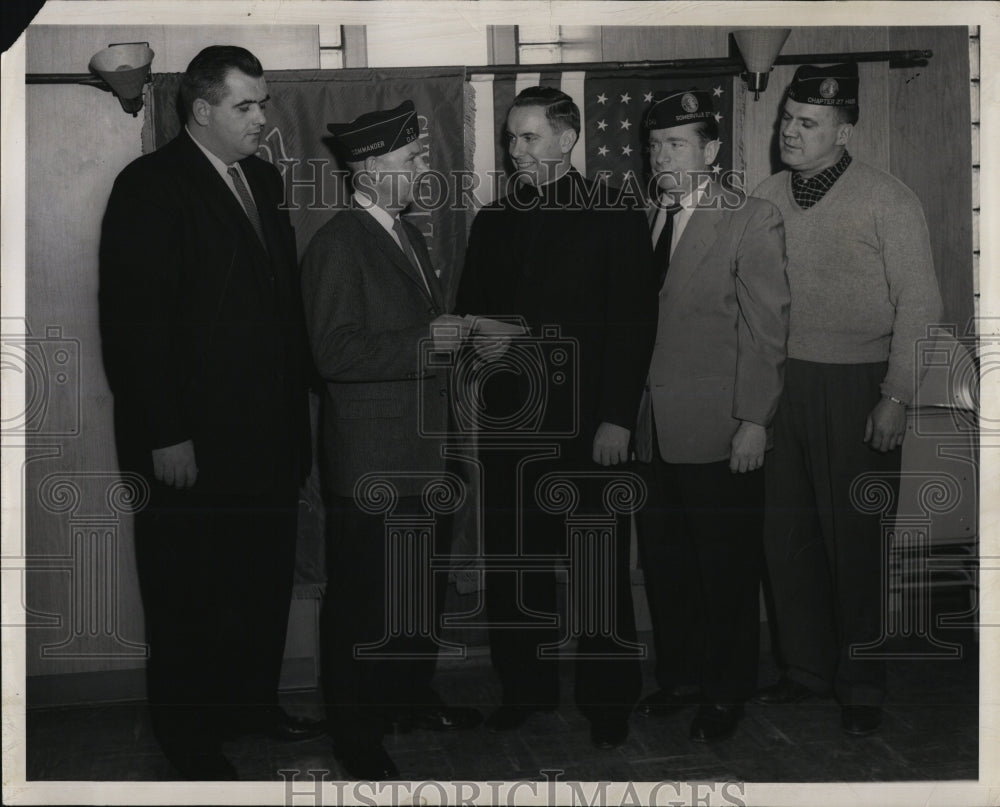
(84, 604)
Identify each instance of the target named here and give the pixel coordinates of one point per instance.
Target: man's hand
(448, 331)
(886, 425)
(747, 448)
(490, 348)
(611, 444)
(175, 465)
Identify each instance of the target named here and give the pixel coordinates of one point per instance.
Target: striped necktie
(248, 204)
(407, 247)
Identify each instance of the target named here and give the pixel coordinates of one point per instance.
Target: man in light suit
(205, 352)
(373, 302)
(713, 386)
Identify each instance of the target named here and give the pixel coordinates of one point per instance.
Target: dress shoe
(291, 728)
(860, 720)
(666, 702)
(202, 766)
(784, 692)
(608, 733)
(442, 718)
(715, 721)
(368, 764)
(278, 725)
(511, 716)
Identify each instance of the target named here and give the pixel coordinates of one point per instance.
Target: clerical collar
(808, 191)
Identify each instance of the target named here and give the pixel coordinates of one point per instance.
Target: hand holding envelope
(492, 337)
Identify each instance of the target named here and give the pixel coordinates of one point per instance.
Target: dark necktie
(248, 204)
(661, 252)
(404, 242)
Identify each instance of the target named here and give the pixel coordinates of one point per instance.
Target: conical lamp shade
(124, 68)
(759, 47)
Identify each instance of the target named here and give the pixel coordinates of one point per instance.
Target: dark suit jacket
(720, 342)
(368, 315)
(576, 259)
(202, 327)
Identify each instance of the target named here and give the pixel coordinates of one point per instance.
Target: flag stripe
(573, 85)
(484, 155)
(504, 90)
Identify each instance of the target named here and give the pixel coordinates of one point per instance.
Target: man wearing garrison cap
(712, 389)
(371, 297)
(863, 291)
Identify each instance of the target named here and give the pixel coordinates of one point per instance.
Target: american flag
(614, 108)
(612, 105)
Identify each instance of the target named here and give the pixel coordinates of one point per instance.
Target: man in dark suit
(713, 387)
(560, 253)
(373, 303)
(204, 350)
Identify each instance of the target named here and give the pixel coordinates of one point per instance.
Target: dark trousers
(215, 573)
(525, 528)
(381, 614)
(824, 554)
(700, 549)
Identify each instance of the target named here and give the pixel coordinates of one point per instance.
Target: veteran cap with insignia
(376, 133)
(836, 85)
(678, 107)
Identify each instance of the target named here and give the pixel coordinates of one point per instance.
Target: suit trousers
(824, 554)
(700, 549)
(531, 540)
(215, 573)
(380, 618)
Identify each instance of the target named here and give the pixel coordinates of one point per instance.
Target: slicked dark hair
(205, 77)
(707, 131)
(560, 110)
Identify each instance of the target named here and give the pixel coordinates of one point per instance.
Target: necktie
(248, 204)
(661, 252)
(404, 242)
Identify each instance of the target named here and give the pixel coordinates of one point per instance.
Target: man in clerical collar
(863, 290)
(372, 299)
(713, 386)
(578, 273)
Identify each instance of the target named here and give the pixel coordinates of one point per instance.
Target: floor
(930, 733)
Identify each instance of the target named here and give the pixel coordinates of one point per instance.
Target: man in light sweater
(863, 290)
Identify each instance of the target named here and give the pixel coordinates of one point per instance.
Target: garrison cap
(678, 107)
(836, 85)
(376, 133)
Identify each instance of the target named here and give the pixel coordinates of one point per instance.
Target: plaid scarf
(809, 190)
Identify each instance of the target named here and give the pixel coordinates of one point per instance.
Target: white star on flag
(626, 175)
(602, 98)
(603, 151)
(716, 169)
(718, 117)
(602, 125)
(648, 97)
(626, 98)
(626, 124)
(717, 92)
(627, 150)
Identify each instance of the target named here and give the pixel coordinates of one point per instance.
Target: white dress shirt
(223, 169)
(387, 220)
